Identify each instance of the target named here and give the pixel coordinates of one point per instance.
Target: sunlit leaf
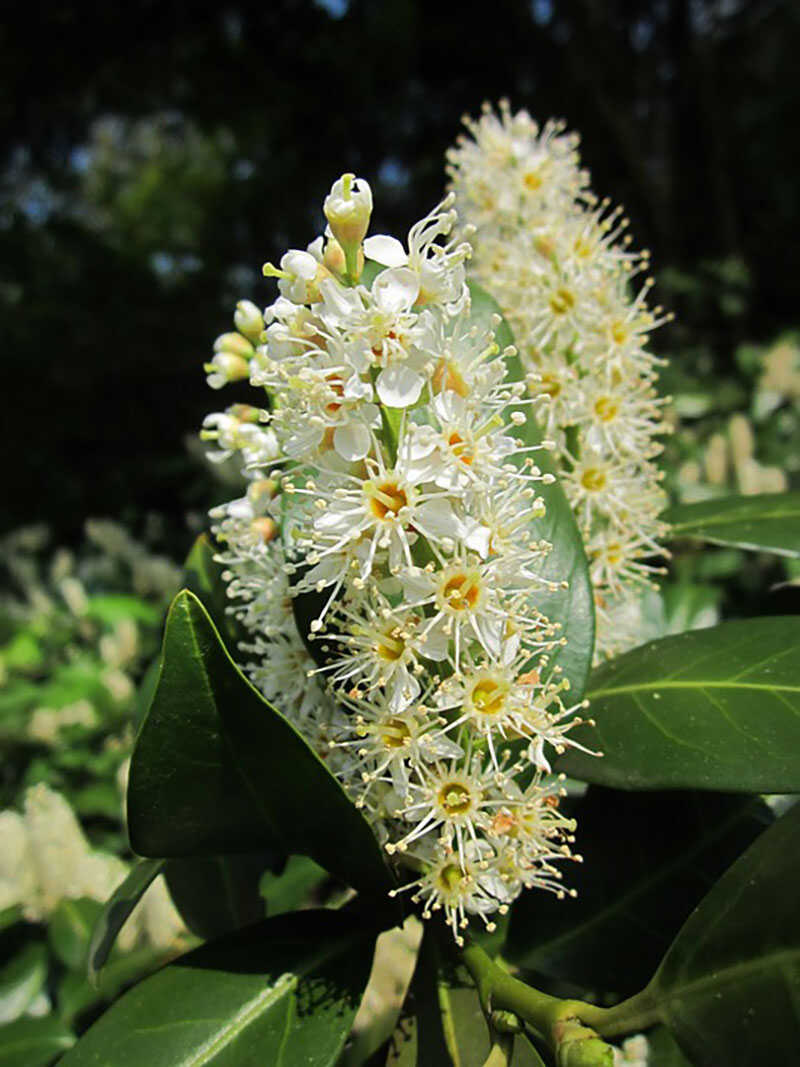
(282, 993)
(711, 709)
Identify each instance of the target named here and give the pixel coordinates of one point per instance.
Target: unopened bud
(224, 368)
(244, 412)
(348, 208)
(265, 528)
(249, 320)
(235, 344)
(262, 491)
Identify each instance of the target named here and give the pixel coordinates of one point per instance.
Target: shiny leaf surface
(769, 522)
(710, 709)
(282, 993)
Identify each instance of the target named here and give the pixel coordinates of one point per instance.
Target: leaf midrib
(285, 984)
(688, 525)
(692, 683)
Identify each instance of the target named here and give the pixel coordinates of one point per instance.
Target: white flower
(404, 512)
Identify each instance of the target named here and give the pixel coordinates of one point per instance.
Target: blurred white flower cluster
(45, 858)
(392, 509)
(557, 261)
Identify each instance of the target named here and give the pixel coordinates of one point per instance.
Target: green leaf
(21, 980)
(77, 995)
(116, 911)
(769, 522)
(711, 709)
(33, 1042)
(729, 987)
(218, 894)
(283, 993)
(146, 690)
(185, 794)
(572, 607)
(648, 859)
(69, 931)
(292, 887)
(215, 765)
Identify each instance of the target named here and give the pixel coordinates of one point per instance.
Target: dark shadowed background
(156, 153)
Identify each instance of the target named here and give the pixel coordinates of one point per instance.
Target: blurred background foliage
(155, 154)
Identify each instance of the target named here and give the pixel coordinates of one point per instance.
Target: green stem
(569, 1026)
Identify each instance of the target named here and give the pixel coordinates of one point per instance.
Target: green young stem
(571, 1027)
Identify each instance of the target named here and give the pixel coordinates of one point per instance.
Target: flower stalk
(572, 1028)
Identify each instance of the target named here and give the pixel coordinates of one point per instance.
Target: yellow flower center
(454, 798)
(390, 646)
(386, 500)
(450, 877)
(594, 479)
(606, 408)
(488, 696)
(461, 591)
(395, 733)
(460, 449)
(562, 301)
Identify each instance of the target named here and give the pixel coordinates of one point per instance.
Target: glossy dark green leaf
(116, 911)
(69, 930)
(282, 993)
(729, 986)
(216, 765)
(33, 1042)
(185, 794)
(77, 995)
(294, 885)
(21, 980)
(147, 687)
(573, 607)
(769, 522)
(648, 860)
(710, 709)
(218, 894)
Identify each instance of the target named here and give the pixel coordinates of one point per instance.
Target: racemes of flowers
(558, 262)
(392, 506)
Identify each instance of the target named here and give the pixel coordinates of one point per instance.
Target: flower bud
(348, 209)
(244, 412)
(226, 367)
(235, 344)
(249, 320)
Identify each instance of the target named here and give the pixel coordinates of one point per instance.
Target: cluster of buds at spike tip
(559, 263)
(387, 489)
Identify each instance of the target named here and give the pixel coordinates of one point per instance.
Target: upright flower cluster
(391, 506)
(557, 261)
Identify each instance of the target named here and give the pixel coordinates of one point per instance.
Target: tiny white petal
(351, 441)
(399, 386)
(387, 251)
